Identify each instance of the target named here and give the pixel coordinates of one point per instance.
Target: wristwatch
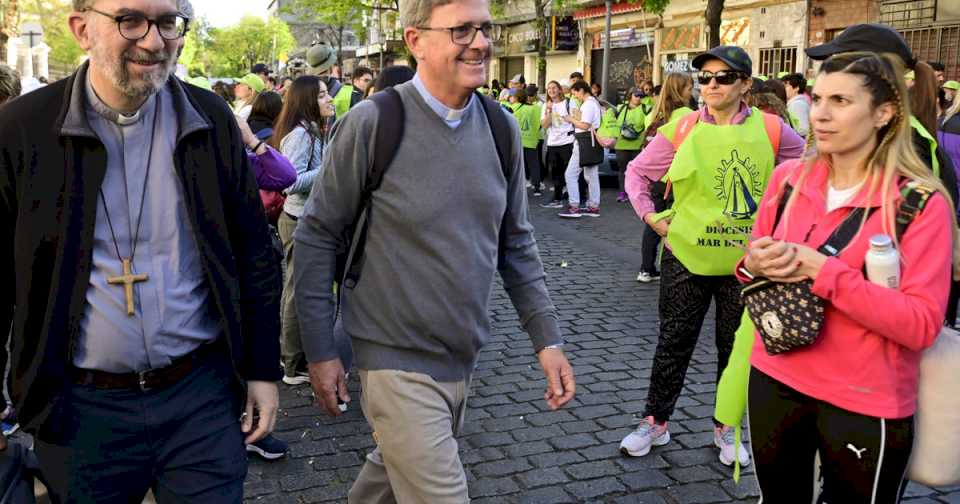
(558, 345)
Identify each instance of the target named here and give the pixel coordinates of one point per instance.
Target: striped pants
(863, 459)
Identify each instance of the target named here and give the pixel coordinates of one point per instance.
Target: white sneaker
(723, 438)
(648, 433)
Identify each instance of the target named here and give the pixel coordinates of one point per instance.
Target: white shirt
(560, 132)
(836, 198)
(244, 112)
(590, 112)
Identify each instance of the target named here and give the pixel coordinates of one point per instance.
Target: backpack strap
(773, 125)
(684, 127)
(914, 197)
(503, 141)
(389, 112)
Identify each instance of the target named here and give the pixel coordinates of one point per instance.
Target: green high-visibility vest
(922, 131)
(719, 175)
(647, 104)
(528, 117)
(635, 117)
(341, 102)
(608, 125)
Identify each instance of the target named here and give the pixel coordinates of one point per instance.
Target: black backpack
(390, 108)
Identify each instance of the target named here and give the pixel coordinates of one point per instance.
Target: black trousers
(531, 161)
(557, 159)
(183, 441)
(684, 301)
(651, 240)
(623, 158)
(860, 456)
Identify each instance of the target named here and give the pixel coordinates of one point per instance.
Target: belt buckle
(142, 381)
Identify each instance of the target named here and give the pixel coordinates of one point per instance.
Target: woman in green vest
(528, 118)
(718, 161)
(672, 105)
(628, 127)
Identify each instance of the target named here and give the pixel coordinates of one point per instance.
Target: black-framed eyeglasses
(464, 34)
(135, 26)
(724, 77)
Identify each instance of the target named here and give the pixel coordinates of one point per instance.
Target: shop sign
(521, 39)
(566, 33)
(626, 37)
(677, 65)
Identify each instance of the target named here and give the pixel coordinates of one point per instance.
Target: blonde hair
(894, 156)
(671, 96)
(954, 108)
(416, 13)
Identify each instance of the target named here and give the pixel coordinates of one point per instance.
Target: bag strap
(841, 236)
(845, 232)
(313, 142)
(390, 112)
(781, 205)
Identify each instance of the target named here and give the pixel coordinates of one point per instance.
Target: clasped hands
(783, 261)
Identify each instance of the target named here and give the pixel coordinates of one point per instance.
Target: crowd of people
(174, 240)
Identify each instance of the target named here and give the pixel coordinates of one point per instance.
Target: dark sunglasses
(724, 77)
(639, 94)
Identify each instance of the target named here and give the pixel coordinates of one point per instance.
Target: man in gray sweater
(419, 314)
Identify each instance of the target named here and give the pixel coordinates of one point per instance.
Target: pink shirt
(654, 161)
(867, 356)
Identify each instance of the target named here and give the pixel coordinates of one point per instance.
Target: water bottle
(883, 262)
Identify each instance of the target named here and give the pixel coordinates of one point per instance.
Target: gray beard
(130, 87)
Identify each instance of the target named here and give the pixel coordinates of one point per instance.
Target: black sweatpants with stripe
(862, 459)
(684, 300)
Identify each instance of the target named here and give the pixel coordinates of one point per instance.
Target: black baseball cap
(260, 68)
(871, 37)
(735, 57)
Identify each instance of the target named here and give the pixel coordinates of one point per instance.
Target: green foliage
(52, 15)
(337, 15)
(231, 51)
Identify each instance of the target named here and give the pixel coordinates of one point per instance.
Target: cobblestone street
(513, 447)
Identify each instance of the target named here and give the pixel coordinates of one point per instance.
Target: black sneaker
(270, 448)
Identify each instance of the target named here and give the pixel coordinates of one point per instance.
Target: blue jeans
(183, 441)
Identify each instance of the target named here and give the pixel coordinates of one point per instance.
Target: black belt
(146, 380)
(294, 217)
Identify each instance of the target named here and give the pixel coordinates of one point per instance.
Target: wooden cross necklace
(128, 279)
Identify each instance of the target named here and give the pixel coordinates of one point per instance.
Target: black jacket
(49, 182)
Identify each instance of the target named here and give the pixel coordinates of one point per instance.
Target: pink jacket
(866, 358)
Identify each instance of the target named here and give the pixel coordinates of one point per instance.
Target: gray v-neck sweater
(421, 304)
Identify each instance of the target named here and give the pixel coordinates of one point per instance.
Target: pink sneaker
(591, 212)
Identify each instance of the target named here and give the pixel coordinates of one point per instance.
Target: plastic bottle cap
(881, 241)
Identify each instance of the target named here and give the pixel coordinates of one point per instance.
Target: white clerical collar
(446, 113)
(108, 113)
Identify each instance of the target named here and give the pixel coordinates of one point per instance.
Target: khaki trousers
(414, 418)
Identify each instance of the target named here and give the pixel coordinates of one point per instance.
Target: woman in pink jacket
(852, 393)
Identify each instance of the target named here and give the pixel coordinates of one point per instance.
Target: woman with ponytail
(852, 393)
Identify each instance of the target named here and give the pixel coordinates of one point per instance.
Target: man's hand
(329, 382)
(560, 383)
(661, 227)
(264, 398)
